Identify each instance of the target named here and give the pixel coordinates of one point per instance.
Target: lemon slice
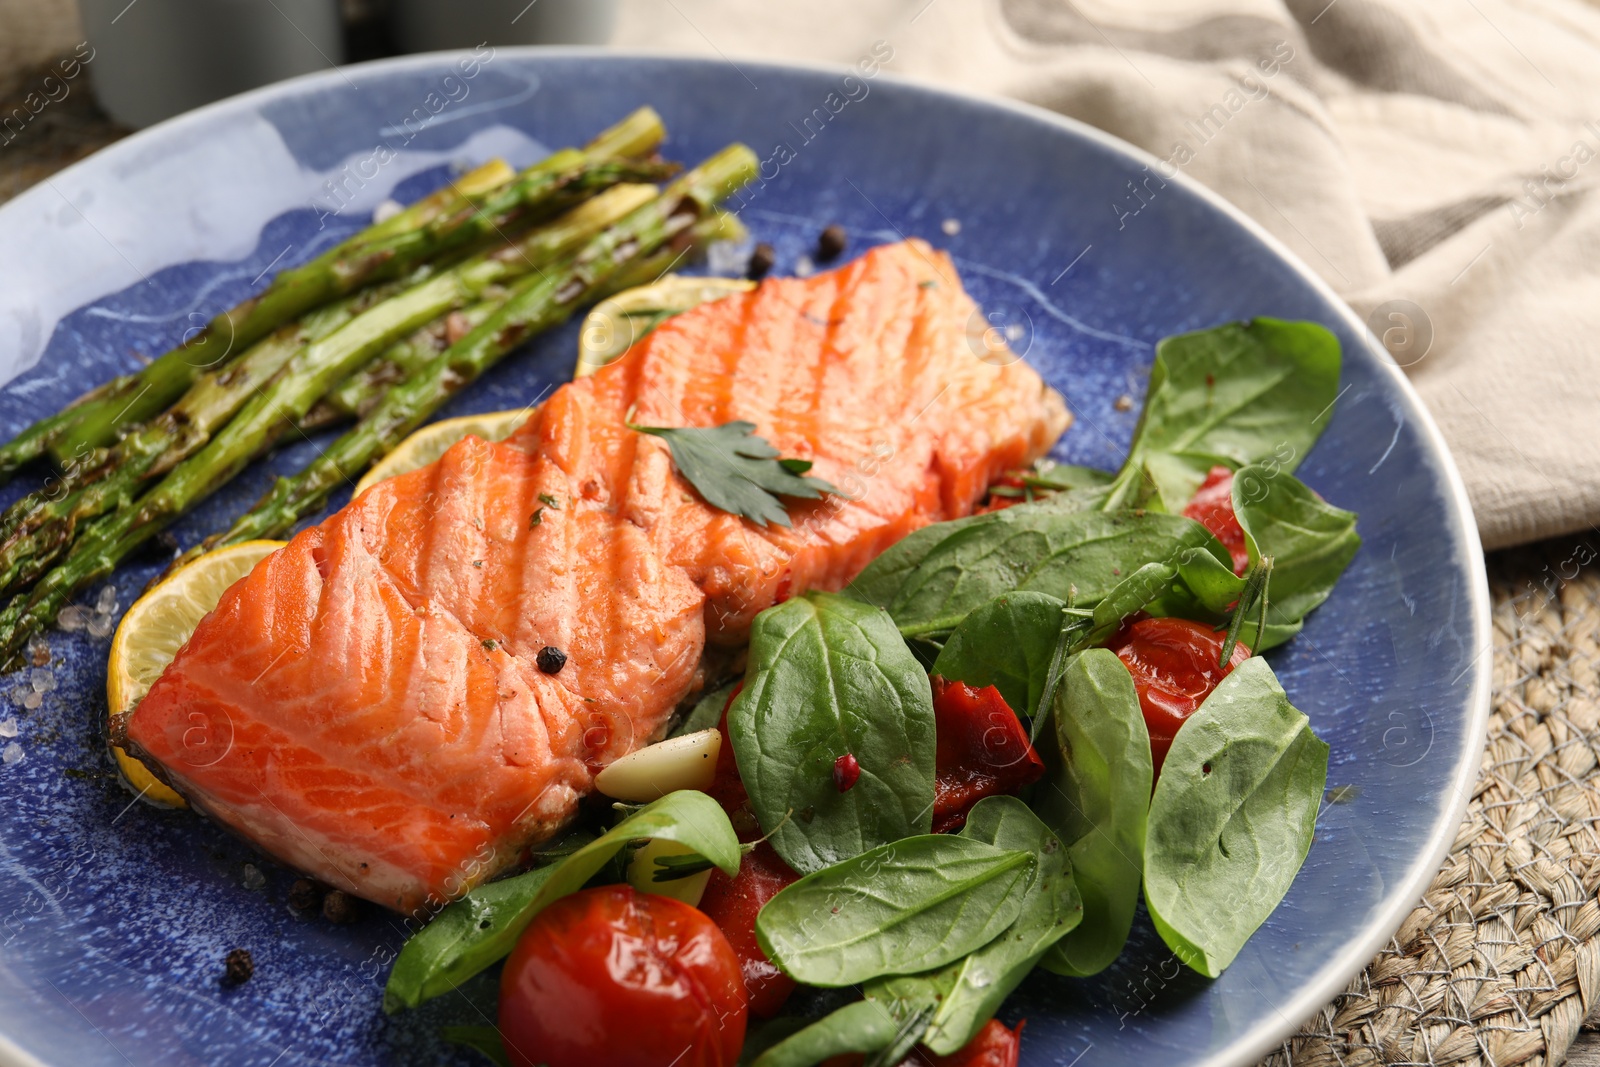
(153, 630)
(434, 440)
(614, 324)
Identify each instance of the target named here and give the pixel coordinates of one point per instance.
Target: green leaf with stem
(1232, 817)
(909, 906)
(963, 996)
(1310, 541)
(1234, 394)
(736, 471)
(830, 677)
(1097, 802)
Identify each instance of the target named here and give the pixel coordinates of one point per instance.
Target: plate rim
(1248, 1048)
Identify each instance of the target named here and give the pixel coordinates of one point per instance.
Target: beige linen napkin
(1436, 161)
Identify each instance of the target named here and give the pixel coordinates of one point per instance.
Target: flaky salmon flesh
(367, 705)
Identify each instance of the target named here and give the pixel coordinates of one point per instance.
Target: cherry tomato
(1174, 668)
(1212, 507)
(611, 977)
(732, 903)
(981, 750)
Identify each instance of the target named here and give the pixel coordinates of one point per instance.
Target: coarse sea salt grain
(100, 626)
(73, 618)
(106, 602)
(41, 679)
(8, 726)
(727, 257)
(11, 753)
(33, 700)
(951, 227)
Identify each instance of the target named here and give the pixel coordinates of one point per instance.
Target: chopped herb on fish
(738, 472)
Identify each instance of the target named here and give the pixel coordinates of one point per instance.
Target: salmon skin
(367, 705)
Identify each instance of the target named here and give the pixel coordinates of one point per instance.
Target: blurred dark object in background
(425, 25)
(156, 58)
(153, 59)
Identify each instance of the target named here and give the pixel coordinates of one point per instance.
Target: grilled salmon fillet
(367, 704)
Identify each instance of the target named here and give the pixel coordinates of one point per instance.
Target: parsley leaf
(738, 472)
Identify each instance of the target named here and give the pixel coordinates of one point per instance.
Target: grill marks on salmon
(366, 705)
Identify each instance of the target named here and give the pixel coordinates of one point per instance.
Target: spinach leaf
(472, 933)
(1311, 542)
(900, 908)
(966, 994)
(880, 581)
(857, 1027)
(736, 471)
(1075, 556)
(707, 711)
(1235, 394)
(466, 937)
(1007, 643)
(484, 1039)
(830, 676)
(1098, 802)
(761, 1036)
(1232, 817)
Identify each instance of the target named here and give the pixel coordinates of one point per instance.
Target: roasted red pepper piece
(982, 750)
(732, 903)
(994, 1046)
(1212, 507)
(1174, 668)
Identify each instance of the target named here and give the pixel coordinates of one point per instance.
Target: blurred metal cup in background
(426, 25)
(156, 58)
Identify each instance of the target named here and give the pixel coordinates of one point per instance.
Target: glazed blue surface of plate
(115, 916)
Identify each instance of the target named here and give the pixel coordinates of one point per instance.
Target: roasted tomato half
(1174, 668)
(982, 750)
(611, 977)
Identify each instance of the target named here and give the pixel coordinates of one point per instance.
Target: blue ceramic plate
(115, 916)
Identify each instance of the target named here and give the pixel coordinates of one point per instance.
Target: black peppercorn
(831, 243)
(761, 261)
(339, 907)
(305, 895)
(551, 659)
(237, 967)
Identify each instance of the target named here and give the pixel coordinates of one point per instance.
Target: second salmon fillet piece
(367, 704)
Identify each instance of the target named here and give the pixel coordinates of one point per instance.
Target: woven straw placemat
(1499, 963)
